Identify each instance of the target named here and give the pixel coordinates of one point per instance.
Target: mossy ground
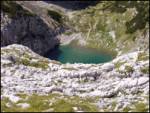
(61, 103)
(27, 61)
(145, 69)
(142, 56)
(118, 64)
(129, 69)
(140, 107)
(55, 102)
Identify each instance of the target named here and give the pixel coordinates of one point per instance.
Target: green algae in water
(76, 54)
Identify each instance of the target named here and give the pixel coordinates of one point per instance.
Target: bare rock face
(29, 30)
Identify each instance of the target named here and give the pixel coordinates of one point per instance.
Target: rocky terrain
(28, 27)
(116, 25)
(126, 77)
(31, 82)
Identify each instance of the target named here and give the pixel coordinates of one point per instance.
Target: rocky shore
(125, 80)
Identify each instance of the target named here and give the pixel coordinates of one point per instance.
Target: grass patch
(68, 33)
(27, 56)
(140, 107)
(126, 109)
(113, 105)
(62, 106)
(129, 69)
(55, 15)
(21, 95)
(3, 104)
(83, 80)
(25, 62)
(57, 102)
(142, 57)
(145, 70)
(38, 64)
(37, 103)
(118, 64)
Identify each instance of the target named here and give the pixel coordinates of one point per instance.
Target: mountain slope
(23, 24)
(30, 82)
(122, 82)
(116, 25)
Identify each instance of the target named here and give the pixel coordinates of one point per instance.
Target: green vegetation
(37, 64)
(83, 104)
(112, 24)
(9, 51)
(27, 61)
(114, 105)
(83, 81)
(68, 33)
(37, 103)
(62, 106)
(142, 8)
(3, 104)
(22, 95)
(140, 107)
(55, 102)
(25, 55)
(69, 68)
(145, 70)
(118, 64)
(129, 69)
(55, 15)
(142, 57)
(126, 109)
(13, 9)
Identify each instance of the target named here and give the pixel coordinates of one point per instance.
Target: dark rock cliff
(26, 28)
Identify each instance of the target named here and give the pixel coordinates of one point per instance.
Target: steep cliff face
(19, 25)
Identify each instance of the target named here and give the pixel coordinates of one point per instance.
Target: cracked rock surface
(23, 71)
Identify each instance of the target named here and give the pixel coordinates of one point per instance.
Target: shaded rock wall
(29, 30)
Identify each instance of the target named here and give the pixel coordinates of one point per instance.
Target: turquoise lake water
(72, 54)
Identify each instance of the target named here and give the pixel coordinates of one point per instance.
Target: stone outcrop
(22, 70)
(32, 30)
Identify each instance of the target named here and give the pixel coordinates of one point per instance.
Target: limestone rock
(32, 31)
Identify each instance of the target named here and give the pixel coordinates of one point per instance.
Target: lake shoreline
(77, 40)
(72, 53)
